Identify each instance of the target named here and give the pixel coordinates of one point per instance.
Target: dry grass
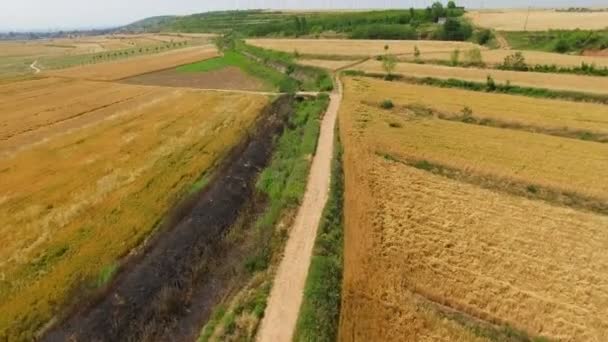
(72, 205)
(539, 20)
(492, 256)
(352, 47)
(138, 65)
(587, 84)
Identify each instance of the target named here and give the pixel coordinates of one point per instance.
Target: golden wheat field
(352, 47)
(327, 64)
(137, 65)
(586, 84)
(542, 113)
(539, 20)
(496, 57)
(432, 258)
(84, 45)
(79, 199)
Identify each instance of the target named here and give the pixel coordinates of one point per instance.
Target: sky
(23, 15)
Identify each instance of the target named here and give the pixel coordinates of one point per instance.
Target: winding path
(34, 67)
(286, 295)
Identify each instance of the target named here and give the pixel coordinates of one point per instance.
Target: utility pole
(527, 16)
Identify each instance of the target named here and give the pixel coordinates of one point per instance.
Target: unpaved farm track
(160, 289)
(285, 299)
(34, 67)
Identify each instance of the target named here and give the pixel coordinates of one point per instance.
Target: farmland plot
(72, 205)
(521, 20)
(497, 57)
(138, 65)
(429, 257)
(588, 84)
(355, 47)
(541, 113)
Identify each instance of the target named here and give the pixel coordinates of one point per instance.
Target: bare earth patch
(226, 78)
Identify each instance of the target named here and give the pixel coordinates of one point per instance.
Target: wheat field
(137, 65)
(579, 83)
(78, 200)
(539, 20)
(497, 57)
(542, 113)
(429, 258)
(356, 47)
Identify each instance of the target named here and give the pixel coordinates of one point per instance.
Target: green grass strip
(320, 310)
(272, 78)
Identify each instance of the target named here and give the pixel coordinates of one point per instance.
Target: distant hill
(436, 22)
(152, 24)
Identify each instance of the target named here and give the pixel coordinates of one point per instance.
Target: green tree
(451, 4)
(437, 11)
(473, 57)
(515, 61)
(416, 54)
(454, 57)
(389, 62)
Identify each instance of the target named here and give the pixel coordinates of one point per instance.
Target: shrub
(515, 61)
(490, 84)
(389, 62)
(387, 104)
(473, 57)
(483, 36)
(454, 57)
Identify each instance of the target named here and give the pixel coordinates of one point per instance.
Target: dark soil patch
(226, 78)
(177, 278)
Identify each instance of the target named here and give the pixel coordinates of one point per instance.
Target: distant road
(34, 67)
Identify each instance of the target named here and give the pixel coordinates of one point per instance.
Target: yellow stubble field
(579, 83)
(358, 47)
(138, 65)
(425, 253)
(496, 57)
(539, 20)
(76, 201)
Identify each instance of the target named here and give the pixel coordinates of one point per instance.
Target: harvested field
(434, 258)
(226, 78)
(138, 65)
(16, 56)
(322, 49)
(496, 57)
(352, 47)
(539, 20)
(551, 114)
(38, 109)
(587, 84)
(326, 64)
(74, 204)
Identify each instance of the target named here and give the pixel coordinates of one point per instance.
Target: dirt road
(285, 299)
(503, 43)
(34, 67)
